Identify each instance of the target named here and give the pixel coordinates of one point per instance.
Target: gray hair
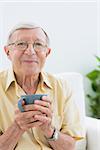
(27, 26)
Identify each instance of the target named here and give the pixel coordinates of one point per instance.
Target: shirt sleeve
(72, 124)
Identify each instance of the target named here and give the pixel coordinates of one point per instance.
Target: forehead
(28, 34)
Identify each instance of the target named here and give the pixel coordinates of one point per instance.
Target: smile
(30, 61)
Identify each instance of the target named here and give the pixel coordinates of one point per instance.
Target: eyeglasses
(23, 45)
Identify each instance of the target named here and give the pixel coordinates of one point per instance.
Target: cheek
(42, 60)
(15, 57)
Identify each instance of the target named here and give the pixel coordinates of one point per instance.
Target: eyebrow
(24, 40)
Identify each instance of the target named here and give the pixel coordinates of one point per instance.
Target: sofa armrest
(92, 133)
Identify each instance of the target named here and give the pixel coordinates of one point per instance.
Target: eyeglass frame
(27, 45)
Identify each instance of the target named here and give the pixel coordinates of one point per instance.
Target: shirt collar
(11, 78)
(44, 79)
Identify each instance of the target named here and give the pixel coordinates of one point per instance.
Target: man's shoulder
(51, 77)
(56, 80)
(60, 83)
(3, 76)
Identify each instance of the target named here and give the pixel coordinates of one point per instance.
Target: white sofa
(92, 141)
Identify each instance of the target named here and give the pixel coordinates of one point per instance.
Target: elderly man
(50, 124)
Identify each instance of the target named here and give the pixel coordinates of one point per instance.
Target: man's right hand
(26, 120)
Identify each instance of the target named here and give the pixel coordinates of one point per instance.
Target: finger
(23, 103)
(41, 106)
(43, 119)
(24, 121)
(28, 121)
(43, 103)
(17, 110)
(31, 107)
(29, 114)
(46, 98)
(34, 107)
(24, 118)
(31, 125)
(34, 124)
(44, 110)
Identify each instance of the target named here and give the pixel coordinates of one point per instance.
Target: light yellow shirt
(65, 114)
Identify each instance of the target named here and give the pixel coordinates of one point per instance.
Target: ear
(48, 51)
(6, 49)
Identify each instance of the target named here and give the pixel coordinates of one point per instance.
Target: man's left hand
(45, 107)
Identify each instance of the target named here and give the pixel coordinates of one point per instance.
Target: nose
(30, 50)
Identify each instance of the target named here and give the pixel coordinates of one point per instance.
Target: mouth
(30, 61)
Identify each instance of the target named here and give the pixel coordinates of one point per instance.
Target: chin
(31, 71)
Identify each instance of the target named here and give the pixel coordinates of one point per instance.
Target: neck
(28, 83)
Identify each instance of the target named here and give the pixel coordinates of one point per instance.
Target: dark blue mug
(29, 99)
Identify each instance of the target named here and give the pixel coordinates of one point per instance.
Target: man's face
(27, 61)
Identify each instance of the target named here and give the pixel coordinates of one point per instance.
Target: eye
(21, 44)
(38, 44)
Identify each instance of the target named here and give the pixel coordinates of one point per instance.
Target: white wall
(73, 27)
